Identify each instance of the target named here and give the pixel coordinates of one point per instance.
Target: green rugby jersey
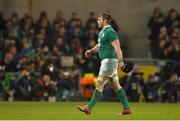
(106, 36)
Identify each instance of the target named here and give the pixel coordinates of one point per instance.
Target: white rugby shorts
(108, 67)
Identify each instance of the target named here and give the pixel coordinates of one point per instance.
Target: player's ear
(105, 20)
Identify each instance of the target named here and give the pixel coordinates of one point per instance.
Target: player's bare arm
(117, 48)
(95, 49)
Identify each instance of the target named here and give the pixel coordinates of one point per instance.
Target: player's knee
(115, 84)
(100, 82)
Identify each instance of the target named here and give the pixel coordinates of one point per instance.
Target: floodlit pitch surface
(102, 111)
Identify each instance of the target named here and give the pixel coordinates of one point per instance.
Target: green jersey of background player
(110, 53)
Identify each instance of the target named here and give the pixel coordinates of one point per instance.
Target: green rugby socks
(95, 97)
(122, 97)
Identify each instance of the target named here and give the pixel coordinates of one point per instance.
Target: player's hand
(88, 53)
(127, 67)
(121, 64)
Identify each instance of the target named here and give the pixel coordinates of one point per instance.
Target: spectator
(172, 17)
(59, 20)
(91, 65)
(7, 84)
(43, 26)
(2, 27)
(175, 52)
(60, 37)
(135, 87)
(171, 89)
(46, 87)
(15, 25)
(160, 51)
(27, 49)
(9, 63)
(2, 92)
(73, 23)
(24, 89)
(91, 22)
(152, 88)
(27, 29)
(155, 21)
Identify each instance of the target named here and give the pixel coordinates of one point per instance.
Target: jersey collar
(106, 27)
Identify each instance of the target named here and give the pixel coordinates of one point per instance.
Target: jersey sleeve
(112, 35)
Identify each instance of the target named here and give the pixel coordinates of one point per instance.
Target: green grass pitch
(102, 111)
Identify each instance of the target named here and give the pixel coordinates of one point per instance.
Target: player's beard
(100, 26)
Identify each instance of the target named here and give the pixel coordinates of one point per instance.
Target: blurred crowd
(40, 57)
(44, 60)
(163, 86)
(165, 34)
